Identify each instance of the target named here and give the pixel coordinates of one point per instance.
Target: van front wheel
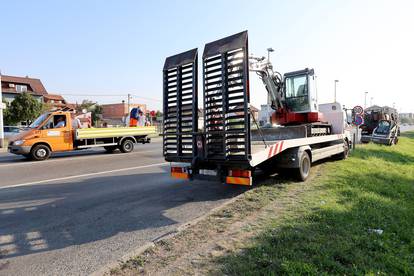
(40, 152)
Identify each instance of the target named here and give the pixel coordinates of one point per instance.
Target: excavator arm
(272, 80)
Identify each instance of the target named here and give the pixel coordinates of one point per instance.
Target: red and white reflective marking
(275, 149)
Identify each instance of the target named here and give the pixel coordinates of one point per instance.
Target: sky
(103, 51)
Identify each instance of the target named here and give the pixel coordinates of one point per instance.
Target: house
(407, 115)
(56, 102)
(119, 111)
(12, 86)
(254, 112)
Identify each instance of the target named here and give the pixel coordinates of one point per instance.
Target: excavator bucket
(226, 98)
(180, 106)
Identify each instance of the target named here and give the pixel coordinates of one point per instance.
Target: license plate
(208, 172)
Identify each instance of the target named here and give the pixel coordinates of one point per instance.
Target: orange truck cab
(49, 132)
(53, 132)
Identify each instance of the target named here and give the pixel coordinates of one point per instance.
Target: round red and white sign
(358, 109)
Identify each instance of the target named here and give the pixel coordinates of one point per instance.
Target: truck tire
(302, 172)
(40, 152)
(343, 155)
(110, 149)
(126, 146)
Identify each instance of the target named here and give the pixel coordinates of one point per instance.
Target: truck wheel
(110, 149)
(127, 146)
(302, 172)
(343, 155)
(40, 152)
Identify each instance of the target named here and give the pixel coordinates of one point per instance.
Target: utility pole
(129, 102)
(372, 100)
(129, 108)
(365, 101)
(335, 82)
(2, 106)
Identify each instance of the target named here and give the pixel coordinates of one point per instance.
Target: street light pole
(365, 102)
(2, 106)
(335, 82)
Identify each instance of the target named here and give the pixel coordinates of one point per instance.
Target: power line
(112, 95)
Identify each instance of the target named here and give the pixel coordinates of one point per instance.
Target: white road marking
(83, 175)
(73, 157)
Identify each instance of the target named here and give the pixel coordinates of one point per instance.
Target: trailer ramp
(180, 93)
(226, 99)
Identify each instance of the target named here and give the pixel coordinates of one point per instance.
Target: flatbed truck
(43, 137)
(231, 146)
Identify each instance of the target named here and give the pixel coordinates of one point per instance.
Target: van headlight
(18, 142)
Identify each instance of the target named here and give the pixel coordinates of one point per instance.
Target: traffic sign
(358, 110)
(358, 120)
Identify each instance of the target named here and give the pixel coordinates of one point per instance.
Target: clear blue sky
(88, 47)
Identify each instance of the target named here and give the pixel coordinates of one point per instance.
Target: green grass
(332, 229)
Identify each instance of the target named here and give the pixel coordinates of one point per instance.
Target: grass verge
(351, 217)
(358, 219)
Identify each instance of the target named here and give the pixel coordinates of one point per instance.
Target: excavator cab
(299, 90)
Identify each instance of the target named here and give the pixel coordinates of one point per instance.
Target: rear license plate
(208, 172)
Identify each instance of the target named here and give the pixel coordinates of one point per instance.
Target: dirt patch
(227, 230)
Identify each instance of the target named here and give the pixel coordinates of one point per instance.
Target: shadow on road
(47, 217)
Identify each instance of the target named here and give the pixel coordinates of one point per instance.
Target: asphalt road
(75, 213)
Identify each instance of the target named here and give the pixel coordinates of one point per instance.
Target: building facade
(13, 86)
(119, 111)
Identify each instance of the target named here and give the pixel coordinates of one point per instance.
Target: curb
(138, 251)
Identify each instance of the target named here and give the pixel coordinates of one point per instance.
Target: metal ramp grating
(180, 106)
(226, 98)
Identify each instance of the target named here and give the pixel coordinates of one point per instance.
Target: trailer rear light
(247, 181)
(240, 173)
(177, 169)
(240, 177)
(179, 172)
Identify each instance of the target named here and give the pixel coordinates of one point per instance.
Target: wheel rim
(128, 146)
(305, 166)
(41, 153)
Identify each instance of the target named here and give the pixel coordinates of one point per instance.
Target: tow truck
(231, 145)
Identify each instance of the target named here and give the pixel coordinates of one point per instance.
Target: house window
(21, 88)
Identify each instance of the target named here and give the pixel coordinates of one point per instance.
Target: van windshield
(39, 120)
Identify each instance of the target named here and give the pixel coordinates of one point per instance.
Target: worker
(141, 118)
(75, 121)
(60, 122)
(133, 117)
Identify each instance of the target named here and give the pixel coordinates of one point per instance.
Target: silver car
(10, 131)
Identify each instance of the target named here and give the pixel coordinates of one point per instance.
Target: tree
(23, 108)
(94, 108)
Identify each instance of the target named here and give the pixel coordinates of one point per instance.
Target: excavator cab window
(296, 93)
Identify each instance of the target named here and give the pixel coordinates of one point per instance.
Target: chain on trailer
(226, 99)
(180, 92)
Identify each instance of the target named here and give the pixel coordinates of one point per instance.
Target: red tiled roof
(35, 84)
(55, 97)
